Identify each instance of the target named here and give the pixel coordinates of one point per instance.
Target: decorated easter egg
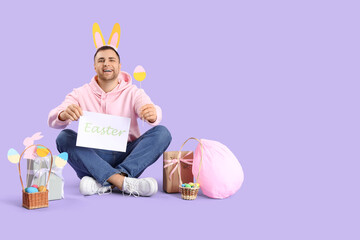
(42, 189)
(42, 151)
(61, 159)
(139, 73)
(31, 190)
(35, 186)
(13, 156)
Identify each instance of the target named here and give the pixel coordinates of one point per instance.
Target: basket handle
(22, 185)
(202, 151)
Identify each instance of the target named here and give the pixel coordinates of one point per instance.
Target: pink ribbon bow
(177, 161)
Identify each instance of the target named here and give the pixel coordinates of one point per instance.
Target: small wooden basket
(190, 193)
(35, 200)
(38, 199)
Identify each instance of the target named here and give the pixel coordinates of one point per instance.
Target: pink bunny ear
(115, 36)
(30, 140)
(98, 37)
(37, 136)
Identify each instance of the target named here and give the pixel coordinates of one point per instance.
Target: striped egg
(42, 151)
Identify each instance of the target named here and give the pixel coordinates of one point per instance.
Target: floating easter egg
(13, 156)
(42, 151)
(139, 73)
(31, 190)
(42, 189)
(34, 185)
(61, 159)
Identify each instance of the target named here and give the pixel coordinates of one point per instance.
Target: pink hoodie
(124, 100)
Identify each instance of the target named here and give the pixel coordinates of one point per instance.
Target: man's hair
(103, 48)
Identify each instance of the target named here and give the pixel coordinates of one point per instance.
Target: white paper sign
(103, 131)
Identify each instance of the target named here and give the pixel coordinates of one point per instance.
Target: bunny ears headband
(113, 40)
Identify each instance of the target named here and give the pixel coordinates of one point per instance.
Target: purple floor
(106, 215)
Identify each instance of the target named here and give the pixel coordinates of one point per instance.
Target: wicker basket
(186, 192)
(38, 199)
(35, 200)
(189, 193)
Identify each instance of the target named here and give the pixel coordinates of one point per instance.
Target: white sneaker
(88, 186)
(140, 187)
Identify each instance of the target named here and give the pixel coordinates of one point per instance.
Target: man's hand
(72, 112)
(148, 112)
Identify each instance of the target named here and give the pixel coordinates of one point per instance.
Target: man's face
(107, 65)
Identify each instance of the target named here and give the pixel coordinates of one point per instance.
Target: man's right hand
(72, 112)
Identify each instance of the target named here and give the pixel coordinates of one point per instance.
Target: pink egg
(35, 186)
(139, 68)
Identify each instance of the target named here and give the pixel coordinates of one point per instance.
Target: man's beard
(110, 78)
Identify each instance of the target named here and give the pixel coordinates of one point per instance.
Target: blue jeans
(102, 164)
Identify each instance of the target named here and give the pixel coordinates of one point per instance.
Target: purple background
(275, 81)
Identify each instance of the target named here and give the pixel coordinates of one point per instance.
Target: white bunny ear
(98, 37)
(115, 36)
(37, 136)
